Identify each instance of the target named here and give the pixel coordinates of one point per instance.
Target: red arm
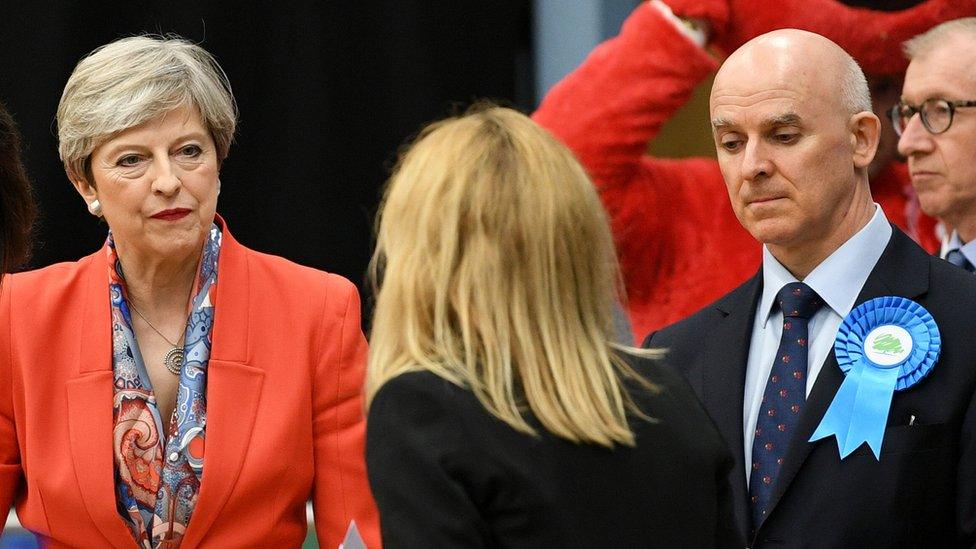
(609, 109)
(341, 491)
(661, 210)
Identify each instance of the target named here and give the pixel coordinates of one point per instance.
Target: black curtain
(327, 92)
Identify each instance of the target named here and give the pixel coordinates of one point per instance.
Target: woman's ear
(87, 191)
(82, 185)
(865, 130)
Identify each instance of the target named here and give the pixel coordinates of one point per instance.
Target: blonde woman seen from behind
(500, 413)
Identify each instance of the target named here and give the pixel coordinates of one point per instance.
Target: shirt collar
(968, 249)
(837, 279)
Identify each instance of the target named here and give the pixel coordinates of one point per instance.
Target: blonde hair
(499, 274)
(129, 81)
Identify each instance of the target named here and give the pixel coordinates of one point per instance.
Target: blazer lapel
(902, 270)
(724, 359)
(233, 390)
(90, 402)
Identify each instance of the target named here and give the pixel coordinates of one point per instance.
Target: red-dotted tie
(784, 396)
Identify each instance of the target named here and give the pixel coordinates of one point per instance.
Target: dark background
(327, 92)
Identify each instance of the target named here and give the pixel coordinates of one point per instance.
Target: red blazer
(284, 411)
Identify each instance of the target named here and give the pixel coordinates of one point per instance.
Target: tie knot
(957, 258)
(797, 300)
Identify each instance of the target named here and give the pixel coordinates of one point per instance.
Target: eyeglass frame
(894, 113)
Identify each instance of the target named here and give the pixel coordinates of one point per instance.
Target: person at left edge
(107, 437)
(17, 208)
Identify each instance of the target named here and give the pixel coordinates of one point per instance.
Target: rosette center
(888, 345)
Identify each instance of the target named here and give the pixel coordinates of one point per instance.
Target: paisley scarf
(157, 479)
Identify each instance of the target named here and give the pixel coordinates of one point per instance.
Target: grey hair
(855, 95)
(132, 80)
(928, 40)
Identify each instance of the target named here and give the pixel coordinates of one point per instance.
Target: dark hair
(17, 208)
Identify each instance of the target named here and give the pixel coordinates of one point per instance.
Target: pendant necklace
(174, 358)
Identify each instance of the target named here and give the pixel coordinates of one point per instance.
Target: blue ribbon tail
(872, 403)
(838, 416)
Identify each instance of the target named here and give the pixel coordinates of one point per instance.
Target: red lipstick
(171, 214)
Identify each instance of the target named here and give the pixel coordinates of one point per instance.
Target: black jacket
(446, 473)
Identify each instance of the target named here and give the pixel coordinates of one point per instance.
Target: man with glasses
(936, 123)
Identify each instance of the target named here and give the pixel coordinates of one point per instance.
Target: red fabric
(714, 12)
(679, 243)
(873, 37)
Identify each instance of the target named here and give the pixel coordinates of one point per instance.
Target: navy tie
(956, 258)
(784, 396)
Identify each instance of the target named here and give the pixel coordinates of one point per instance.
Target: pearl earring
(95, 208)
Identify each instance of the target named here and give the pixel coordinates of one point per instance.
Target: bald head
(794, 147)
(805, 62)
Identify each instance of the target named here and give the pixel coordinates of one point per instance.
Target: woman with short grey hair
(132, 80)
(142, 396)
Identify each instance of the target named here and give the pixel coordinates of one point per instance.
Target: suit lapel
(90, 398)
(724, 359)
(902, 270)
(233, 390)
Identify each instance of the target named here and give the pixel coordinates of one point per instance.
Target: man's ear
(865, 130)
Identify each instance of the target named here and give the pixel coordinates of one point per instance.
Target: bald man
(794, 131)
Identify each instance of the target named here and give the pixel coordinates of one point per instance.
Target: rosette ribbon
(884, 345)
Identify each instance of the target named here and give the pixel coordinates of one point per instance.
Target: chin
(179, 244)
(772, 232)
(932, 207)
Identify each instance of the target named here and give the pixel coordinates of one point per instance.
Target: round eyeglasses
(936, 114)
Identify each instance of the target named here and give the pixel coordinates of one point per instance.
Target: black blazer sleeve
(415, 463)
(685, 400)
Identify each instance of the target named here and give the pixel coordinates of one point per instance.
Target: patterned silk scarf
(157, 479)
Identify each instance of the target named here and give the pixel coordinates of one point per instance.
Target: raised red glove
(714, 12)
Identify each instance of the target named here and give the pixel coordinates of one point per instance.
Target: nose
(755, 162)
(915, 139)
(166, 180)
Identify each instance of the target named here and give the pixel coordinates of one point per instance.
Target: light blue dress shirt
(838, 280)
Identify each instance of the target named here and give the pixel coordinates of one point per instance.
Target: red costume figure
(680, 245)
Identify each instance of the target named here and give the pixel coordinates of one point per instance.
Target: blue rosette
(884, 345)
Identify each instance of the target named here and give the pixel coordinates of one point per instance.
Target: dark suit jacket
(922, 492)
(446, 473)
